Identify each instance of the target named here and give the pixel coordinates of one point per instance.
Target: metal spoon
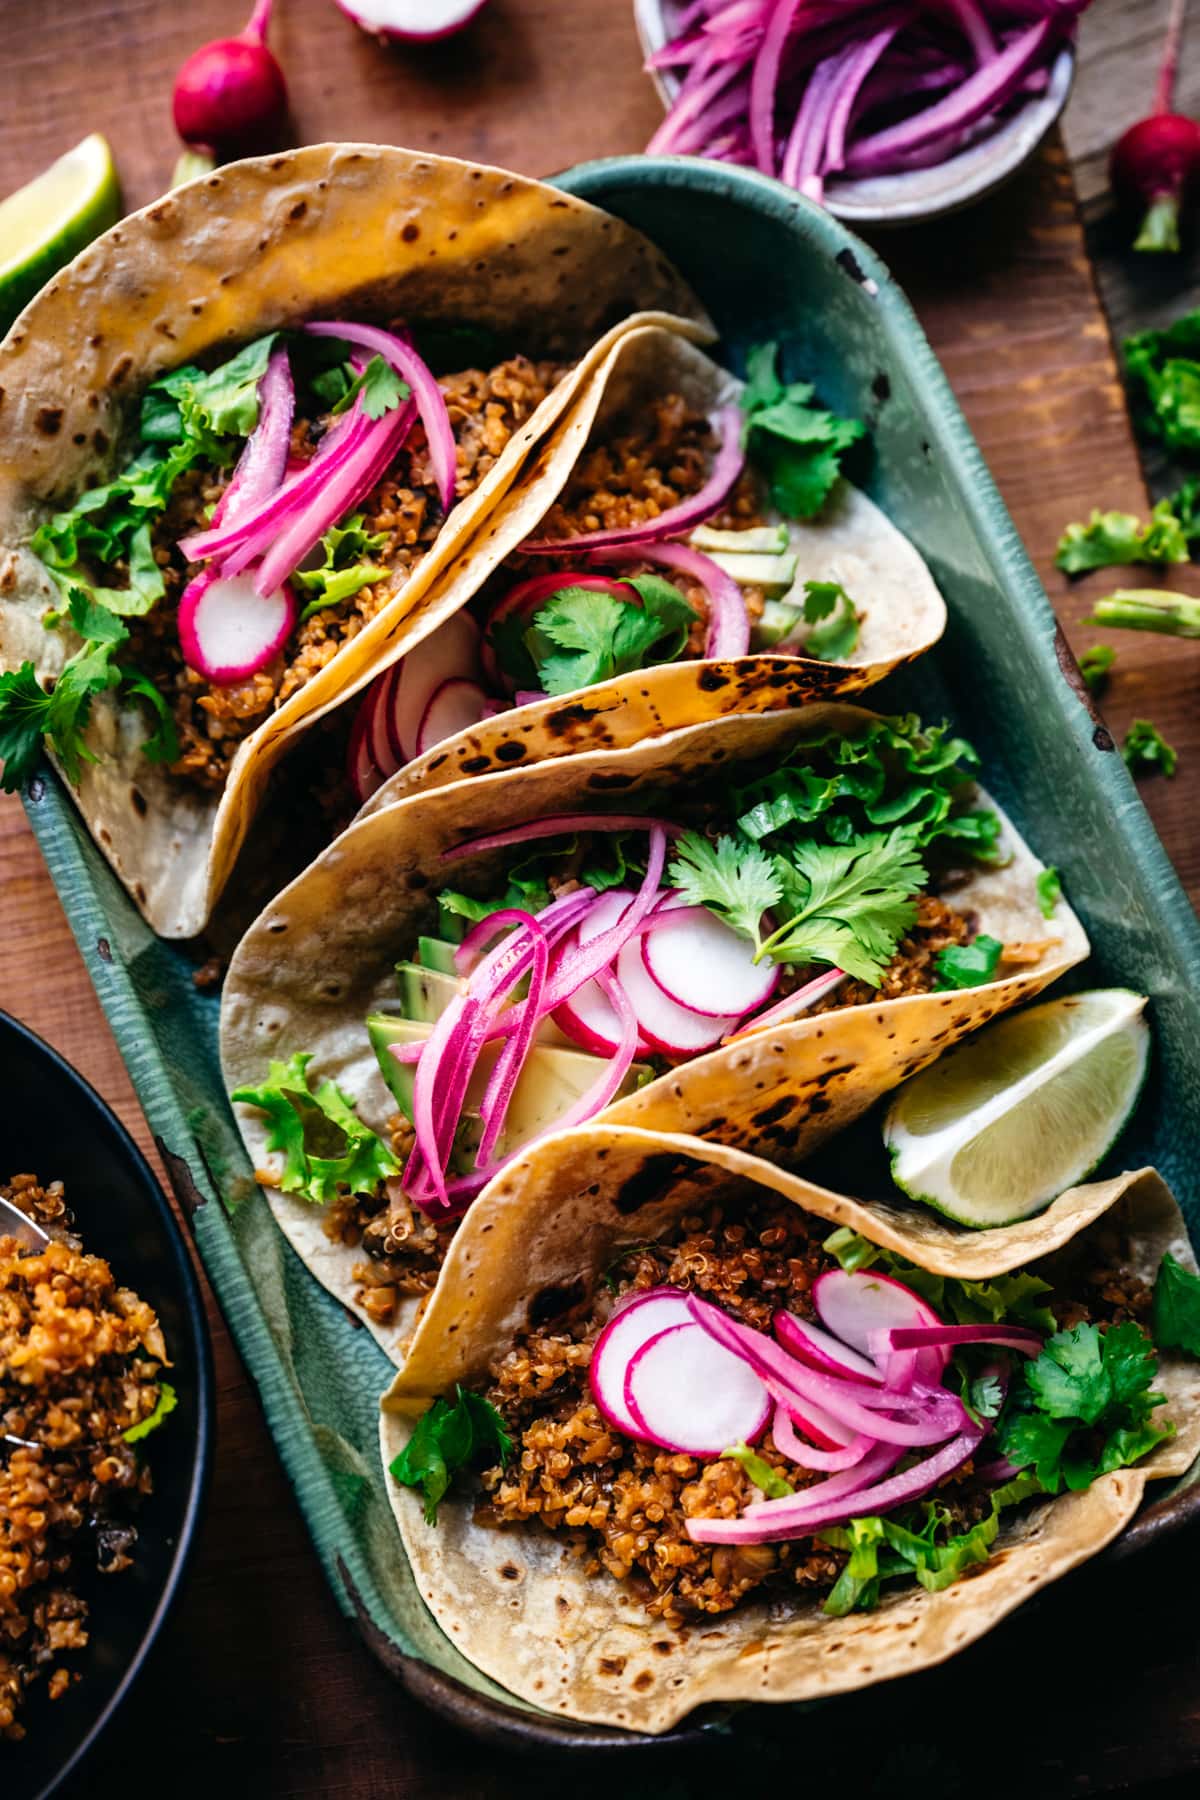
(15, 1223)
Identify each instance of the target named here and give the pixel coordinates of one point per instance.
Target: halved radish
(703, 964)
(227, 632)
(667, 1026)
(821, 1351)
(688, 1393)
(450, 652)
(854, 1304)
(638, 1320)
(411, 21)
(451, 708)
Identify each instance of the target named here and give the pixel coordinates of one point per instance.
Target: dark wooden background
(260, 1686)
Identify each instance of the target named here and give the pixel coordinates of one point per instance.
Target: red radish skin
(453, 707)
(1155, 165)
(230, 97)
(227, 632)
(691, 1395)
(702, 964)
(411, 21)
(629, 1328)
(820, 1350)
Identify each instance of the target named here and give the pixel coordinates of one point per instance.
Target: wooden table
(260, 1686)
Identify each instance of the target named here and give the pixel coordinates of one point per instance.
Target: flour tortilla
(322, 955)
(333, 229)
(851, 542)
(524, 1610)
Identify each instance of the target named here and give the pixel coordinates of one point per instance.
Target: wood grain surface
(260, 1687)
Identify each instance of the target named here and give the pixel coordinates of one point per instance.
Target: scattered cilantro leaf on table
(1095, 665)
(304, 1123)
(1146, 751)
(449, 1437)
(1112, 538)
(1164, 374)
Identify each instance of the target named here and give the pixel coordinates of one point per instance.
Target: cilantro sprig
(1095, 665)
(449, 1437)
(798, 446)
(1113, 538)
(326, 1146)
(582, 635)
(1164, 373)
(1147, 752)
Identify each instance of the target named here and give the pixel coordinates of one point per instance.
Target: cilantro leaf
(1145, 750)
(733, 878)
(1049, 891)
(382, 390)
(850, 904)
(1095, 666)
(1164, 373)
(1082, 1407)
(798, 447)
(24, 721)
(168, 1400)
(1185, 504)
(162, 746)
(581, 636)
(1116, 537)
(829, 607)
(345, 565)
(1175, 1319)
(967, 965)
(448, 1438)
(301, 1121)
(760, 1472)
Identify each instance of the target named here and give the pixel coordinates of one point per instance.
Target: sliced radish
(635, 1324)
(609, 909)
(704, 965)
(586, 1016)
(365, 775)
(821, 1351)
(411, 21)
(453, 707)
(446, 654)
(227, 632)
(853, 1305)
(688, 1393)
(667, 1026)
(383, 749)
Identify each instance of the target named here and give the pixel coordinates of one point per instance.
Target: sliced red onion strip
(728, 621)
(676, 520)
(431, 403)
(949, 1337)
(567, 909)
(807, 1456)
(804, 154)
(263, 462)
(860, 61)
(765, 81)
(559, 825)
(799, 1002)
(504, 1077)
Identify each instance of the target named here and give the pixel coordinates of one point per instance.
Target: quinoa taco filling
(605, 949)
(81, 1385)
(668, 542)
(600, 1424)
(267, 510)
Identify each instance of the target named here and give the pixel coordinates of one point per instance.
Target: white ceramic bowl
(921, 193)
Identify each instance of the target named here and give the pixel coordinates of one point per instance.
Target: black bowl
(53, 1124)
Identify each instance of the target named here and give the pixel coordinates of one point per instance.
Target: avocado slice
(436, 953)
(778, 621)
(426, 993)
(758, 540)
(552, 1080)
(773, 574)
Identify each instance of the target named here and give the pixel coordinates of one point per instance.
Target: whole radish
(1156, 164)
(230, 96)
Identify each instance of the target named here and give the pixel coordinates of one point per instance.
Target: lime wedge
(1021, 1111)
(47, 222)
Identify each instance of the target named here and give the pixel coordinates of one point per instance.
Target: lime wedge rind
(50, 220)
(1003, 1159)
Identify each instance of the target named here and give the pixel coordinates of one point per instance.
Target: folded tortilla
(527, 1612)
(322, 955)
(851, 541)
(350, 229)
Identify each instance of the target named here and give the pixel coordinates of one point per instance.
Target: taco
(747, 930)
(240, 438)
(691, 549)
(697, 1447)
